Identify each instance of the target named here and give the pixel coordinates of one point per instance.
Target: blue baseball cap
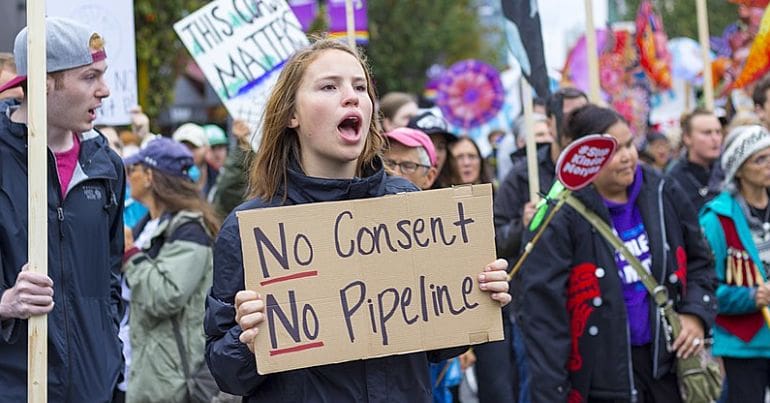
(165, 155)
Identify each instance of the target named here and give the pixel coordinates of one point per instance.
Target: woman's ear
(293, 122)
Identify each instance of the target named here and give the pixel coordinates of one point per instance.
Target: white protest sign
(114, 21)
(241, 47)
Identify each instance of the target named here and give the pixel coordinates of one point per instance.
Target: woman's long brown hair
(174, 193)
(280, 144)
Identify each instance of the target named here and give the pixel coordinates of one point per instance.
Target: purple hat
(413, 138)
(67, 47)
(165, 155)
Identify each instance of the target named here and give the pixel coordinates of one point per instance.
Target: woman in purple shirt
(591, 329)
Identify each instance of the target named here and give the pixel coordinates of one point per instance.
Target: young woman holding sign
(319, 143)
(592, 331)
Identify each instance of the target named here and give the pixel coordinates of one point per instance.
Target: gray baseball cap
(67, 47)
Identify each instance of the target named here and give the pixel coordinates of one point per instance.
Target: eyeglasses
(406, 167)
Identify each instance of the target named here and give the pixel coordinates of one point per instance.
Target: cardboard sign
(582, 160)
(373, 277)
(241, 47)
(114, 21)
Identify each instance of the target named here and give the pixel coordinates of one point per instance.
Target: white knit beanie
(742, 143)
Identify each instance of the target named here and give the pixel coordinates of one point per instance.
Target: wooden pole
(534, 181)
(351, 23)
(761, 281)
(703, 36)
(531, 244)
(593, 59)
(37, 163)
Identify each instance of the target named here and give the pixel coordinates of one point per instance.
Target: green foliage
(409, 36)
(159, 50)
(406, 38)
(680, 16)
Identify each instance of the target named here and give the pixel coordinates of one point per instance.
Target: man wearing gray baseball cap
(86, 185)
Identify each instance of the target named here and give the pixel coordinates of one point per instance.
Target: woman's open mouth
(350, 129)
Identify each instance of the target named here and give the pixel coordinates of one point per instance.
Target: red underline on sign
(310, 273)
(294, 349)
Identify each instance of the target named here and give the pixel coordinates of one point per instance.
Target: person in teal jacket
(737, 225)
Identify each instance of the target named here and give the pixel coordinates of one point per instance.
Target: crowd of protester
(155, 294)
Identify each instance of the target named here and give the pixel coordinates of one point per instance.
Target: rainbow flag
(338, 27)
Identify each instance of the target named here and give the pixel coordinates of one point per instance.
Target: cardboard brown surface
(421, 288)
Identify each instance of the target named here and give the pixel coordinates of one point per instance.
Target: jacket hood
(17, 139)
(728, 203)
(95, 155)
(307, 189)
(721, 205)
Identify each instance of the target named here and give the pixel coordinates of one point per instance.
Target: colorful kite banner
(651, 41)
(470, 93)
(758, 62)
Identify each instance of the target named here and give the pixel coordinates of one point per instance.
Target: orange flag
(758, 62)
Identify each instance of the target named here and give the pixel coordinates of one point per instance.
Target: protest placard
(241, 47)
(583, 159)
(338, 21)
(114, 21)
(374, 277)
(305, 10)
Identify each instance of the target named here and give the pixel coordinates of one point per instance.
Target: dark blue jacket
(572, 311)
(399, 378)
(85, 247)
(699, 184)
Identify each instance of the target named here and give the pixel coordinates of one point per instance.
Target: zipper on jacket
(65, 308)
(634, 393)
(60, 214)
(658, 317)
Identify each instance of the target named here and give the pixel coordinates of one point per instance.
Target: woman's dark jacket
(572, 311)
(399, 378)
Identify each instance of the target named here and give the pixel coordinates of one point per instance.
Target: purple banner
(305, 10)
(338, 21)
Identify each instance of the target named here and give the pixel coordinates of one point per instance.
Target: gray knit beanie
(742, 142)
